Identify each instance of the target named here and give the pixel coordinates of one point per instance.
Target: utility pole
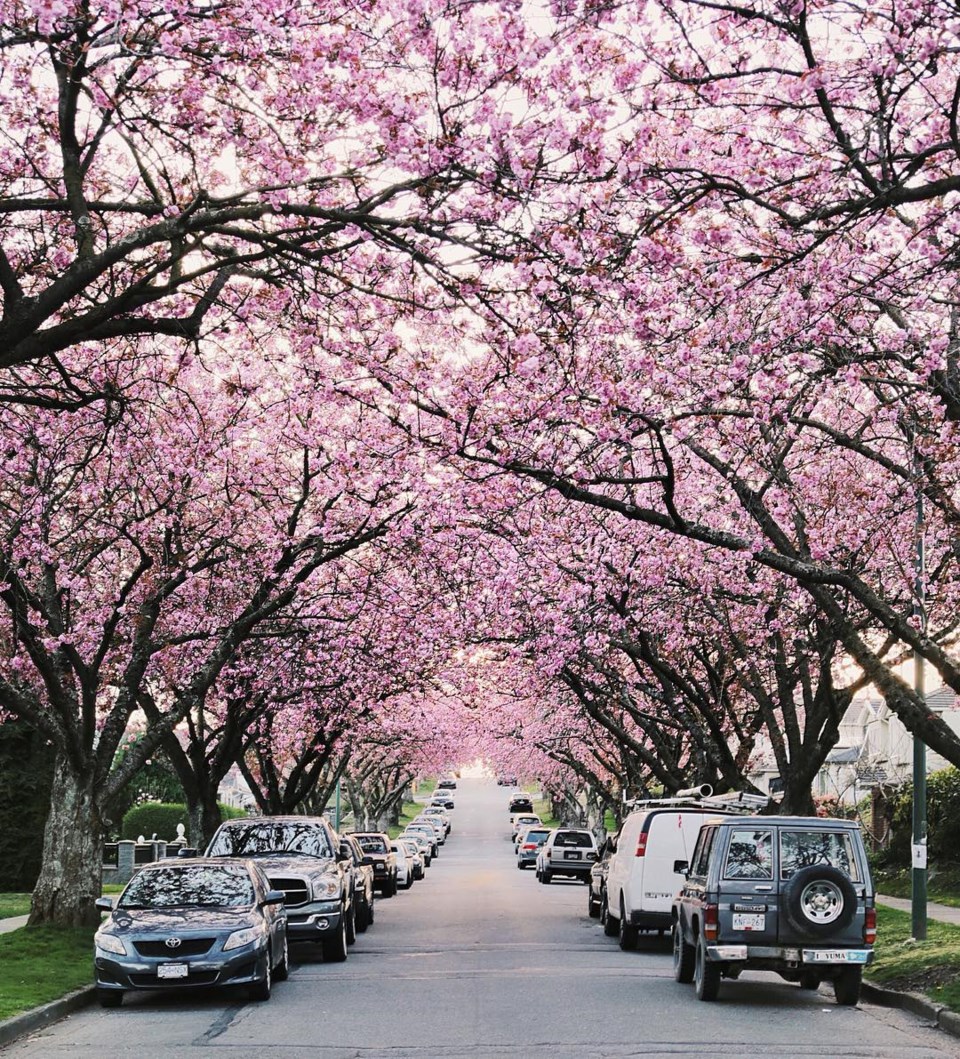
(919, 845)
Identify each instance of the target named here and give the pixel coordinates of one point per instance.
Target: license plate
(835, 955)
(749, 921)
(172, 970)
(571, 855)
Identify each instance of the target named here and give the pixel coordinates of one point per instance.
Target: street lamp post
(919, 844)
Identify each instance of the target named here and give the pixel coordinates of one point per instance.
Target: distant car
(447, 784)
(415, 850)
(405, 864)
(598, 879)
(438, 812)
(430, 831)
(191, 923)
(427, 844)
(443, 798)
(521, 803)
(568, 851)
(376, 850)
(506, 781)
(529, 846)
(522, 820)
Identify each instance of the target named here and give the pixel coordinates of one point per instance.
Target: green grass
(39, 964)
(931, 967)
(407, 813)
(943, 884)
(541, 807)
(14, 905)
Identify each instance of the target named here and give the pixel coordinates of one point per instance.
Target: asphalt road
(481, 961)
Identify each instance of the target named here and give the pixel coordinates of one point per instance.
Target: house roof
(843, 755)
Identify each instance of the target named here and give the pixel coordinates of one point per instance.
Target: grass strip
(40, 964)
(14, 904)
(930, 967)
(943, 884)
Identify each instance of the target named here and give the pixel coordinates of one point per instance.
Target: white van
(643, 878)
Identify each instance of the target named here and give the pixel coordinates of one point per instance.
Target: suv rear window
(799, 849)
(750, 855)
(576, 839)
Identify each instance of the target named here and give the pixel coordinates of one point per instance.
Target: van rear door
(671, 836)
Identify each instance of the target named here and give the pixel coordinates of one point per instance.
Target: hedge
(161, 819)
(943, 821)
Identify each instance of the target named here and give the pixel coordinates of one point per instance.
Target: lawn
(931, 967)
(943, 884)
(39, 964)
(12, 904)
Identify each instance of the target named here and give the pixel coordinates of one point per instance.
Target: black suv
(300, 856)
(362, 881)
(377, 852)
(789, 894)
(521, 803)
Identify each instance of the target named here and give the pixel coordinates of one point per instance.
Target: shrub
(161, 819)
(943, 821)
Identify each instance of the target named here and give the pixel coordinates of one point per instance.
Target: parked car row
(737, 891)
(228, 918)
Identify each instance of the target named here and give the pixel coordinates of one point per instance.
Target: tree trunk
(70, 876)
(205, 817)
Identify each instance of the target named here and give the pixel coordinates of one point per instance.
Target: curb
(937, 1014)
(41, 1017)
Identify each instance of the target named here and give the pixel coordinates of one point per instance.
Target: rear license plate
(172, 970)
(835, 955)
(749, 921)
(572, 854)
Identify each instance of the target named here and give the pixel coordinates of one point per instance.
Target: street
(480, 960)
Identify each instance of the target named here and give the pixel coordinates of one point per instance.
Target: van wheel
(819, 900)
(627, 933)
(846, 986)
(706, 976)
(684, 956)
(606, 920)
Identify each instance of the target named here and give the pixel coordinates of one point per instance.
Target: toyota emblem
(172, 943)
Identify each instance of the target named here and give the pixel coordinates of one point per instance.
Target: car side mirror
(681, 867)
(343, 855)
(105, 904)
(274, 897)
(366, 860)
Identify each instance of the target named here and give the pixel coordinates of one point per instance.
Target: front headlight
(326, 888)
(109, 943)
(242, 937)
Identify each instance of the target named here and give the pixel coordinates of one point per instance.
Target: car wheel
(607, 921)
(110, 998)
(627, 934)
(546, 877)
(335, 948)
(409, 882)
(351, 926)
(819, 900)
(593, 905)
(846, 986)
(363, 917)
(371, 904)
(706, 975)
(282, 971)
(261, 990)
(809, 980)
(684, 956)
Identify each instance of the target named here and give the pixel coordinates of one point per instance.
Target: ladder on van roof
(702, 797)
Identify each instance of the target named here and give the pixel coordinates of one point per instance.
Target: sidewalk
(941, 913)
(14, 923)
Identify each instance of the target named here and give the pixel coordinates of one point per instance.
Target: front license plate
(835, 955)
(172, 970)
(749, 921)
(571, 854)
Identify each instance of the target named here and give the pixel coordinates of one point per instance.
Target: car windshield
(189, 886)
(800, 849)
(372, 843)
(262, 837)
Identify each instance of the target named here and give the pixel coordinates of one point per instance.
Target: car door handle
(763, 889)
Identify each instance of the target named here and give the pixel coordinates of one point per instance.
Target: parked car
(444, 799)
(528, 849)
(439, 813)
(598, 879)
(404, 864)
(643, 875)
(427, 844)
(415, 850)
(190, 923)
(522, 820)
(567, 851)
(507, 781)
(432, 831)
(377, 851)
(363, 892)
(792, 895)
(448, 784)
(521, 803)
(301, 856)
(437, 823)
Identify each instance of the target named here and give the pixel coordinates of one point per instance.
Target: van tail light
(641, 844)
(711, 922)
(869, 926)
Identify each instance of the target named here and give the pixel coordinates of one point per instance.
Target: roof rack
(702, 797)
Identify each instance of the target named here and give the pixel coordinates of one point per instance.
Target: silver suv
(789, 894)
(567, 851)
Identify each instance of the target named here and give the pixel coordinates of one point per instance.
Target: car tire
(607, 921)
(371, 905)
(110, 998)
(706, 975)
(846, 986)
(262, 989)
(593, 905)
(363, 918)
(819, 900)
(546, 877)
(809, 980)
(520, 865)
(351, 925)
(627, 933)
(409, 881)
(282, 971)
(335, 949)
(684, 956)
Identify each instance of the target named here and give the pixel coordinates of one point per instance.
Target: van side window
(701, 851)
(750, 855)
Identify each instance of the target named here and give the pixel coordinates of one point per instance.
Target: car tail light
(529, 845)
(711, 922)
(869, 926)
(641, 844)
